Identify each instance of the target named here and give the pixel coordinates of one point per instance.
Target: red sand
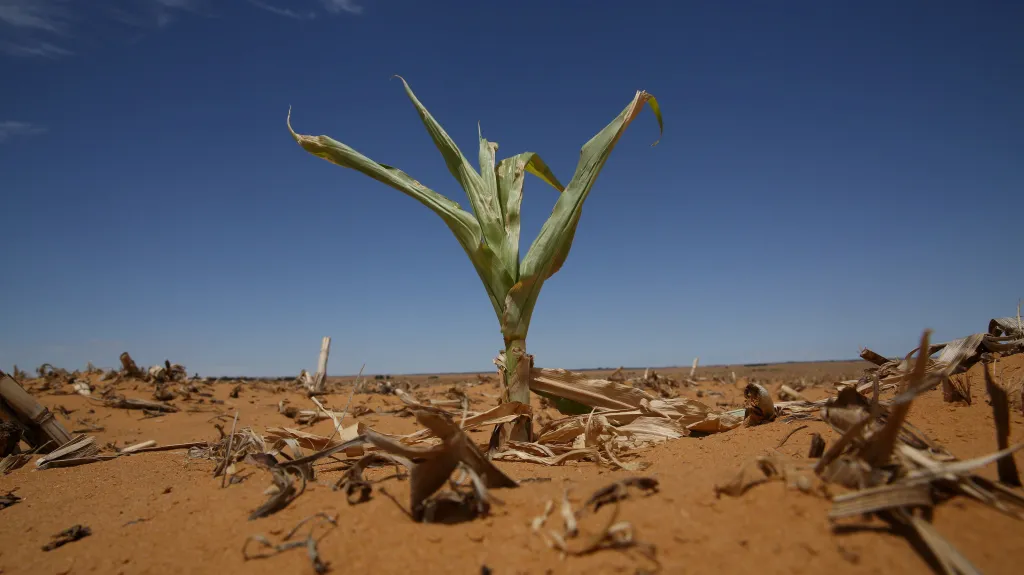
(164, 513)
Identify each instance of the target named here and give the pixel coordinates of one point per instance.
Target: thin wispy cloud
(155, 13)
(180, 4)
(310, 15)
(332, 7)
(12, 129)
(50, 28)
(46, 15)
(35, 50)
(33, 26)
(335, 6)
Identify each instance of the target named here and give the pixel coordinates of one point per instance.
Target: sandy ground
(165, 513)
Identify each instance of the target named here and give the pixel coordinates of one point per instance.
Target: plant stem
(517, 382)
(517, 371)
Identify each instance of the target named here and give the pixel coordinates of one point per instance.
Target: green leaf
(511, 175)
(551, 248)
(488, 177)
(537, 167)
(461, 223)
(482, 197)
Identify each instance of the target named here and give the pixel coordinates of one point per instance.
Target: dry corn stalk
(40, 428)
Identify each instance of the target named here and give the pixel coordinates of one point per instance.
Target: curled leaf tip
(288, 121)
(656, 108)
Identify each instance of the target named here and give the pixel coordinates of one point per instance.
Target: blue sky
(832, 175)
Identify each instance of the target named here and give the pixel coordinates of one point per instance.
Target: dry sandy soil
(165, 513)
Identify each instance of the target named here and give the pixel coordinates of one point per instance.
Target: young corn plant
(490, 235)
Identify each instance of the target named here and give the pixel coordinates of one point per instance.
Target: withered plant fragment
(358, 489)
(957, 388)
(619, 491)
(13, 461)
(759, 405)
(284, 492)
(579, 538)
(433, 465)
(10, 435)
(69, 535)
(755, 472)
(1007, 467)
(289, 411)
(950, 559)
(788, 393)
(788, 435)
(78, 448)
(309, 542)
(121, 402)
(874, 500)
(460, 503)
(430, 466)
(8, 499)
(222, 469)
(128, 367)
(817, 447)
(163, 393)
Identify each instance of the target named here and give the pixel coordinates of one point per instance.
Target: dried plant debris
(246, 445)
(1007, 467)
(16, 460)
(87, 425)
(954, 357)
(121, 402)
(957, 389)
(282, 492)
(357, 489)
(796, 473)
(430, 464)
(128, 366)
(434, 465)
(817, 448)
(82, 451)
(81, 447)
(309, 542)
(163, 393)
(759, 407)
(872, 501)
(788, 435)
(241, 443)
(892, 469)
(222, 469)
(619, 421)
(167, 372)
(10, 435)
(1011, 327)
(69, 535)
(8, 499)
(463, 501)
(596, 526)
(620, 491)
